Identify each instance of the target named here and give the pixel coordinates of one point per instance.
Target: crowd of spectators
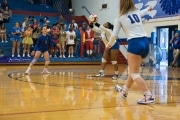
(76, 40)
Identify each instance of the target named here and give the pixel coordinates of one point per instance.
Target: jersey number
(133, 18)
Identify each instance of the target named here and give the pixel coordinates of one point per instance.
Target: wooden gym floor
(72, 92)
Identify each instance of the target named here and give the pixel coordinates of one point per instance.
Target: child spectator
(27, 41)
(3, 33)
(16, 38)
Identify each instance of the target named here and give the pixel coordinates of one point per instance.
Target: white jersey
(70, 36)
(131, 24)
(105, 34)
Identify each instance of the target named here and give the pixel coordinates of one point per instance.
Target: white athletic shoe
(148, 99)
(27, 71)
(45, 71)
(115, 76)
(118, 88)
(123, 91)
(100, 74)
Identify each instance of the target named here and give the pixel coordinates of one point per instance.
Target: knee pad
(47, 62)
(103, 60)
(33, 61)
(114, 62)
(128, 70)
(134, 76)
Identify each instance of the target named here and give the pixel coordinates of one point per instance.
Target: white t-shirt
(70, 36)
(131, 24)
(105, 33)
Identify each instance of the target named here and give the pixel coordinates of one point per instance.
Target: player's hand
(33, 53)
(58, 45)
(108, 46)
(149, 8)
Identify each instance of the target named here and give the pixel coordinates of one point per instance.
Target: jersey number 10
(134, 18)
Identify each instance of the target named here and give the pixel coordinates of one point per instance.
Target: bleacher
(26, 6)
(7, 47)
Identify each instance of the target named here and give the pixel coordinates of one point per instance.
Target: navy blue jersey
(43, 43)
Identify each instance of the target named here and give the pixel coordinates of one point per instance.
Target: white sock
(116, 72)
(101, 71)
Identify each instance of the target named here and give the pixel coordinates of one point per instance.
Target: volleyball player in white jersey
(138, 46)
(70, 37)
(106, 30)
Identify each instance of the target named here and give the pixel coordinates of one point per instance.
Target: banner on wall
(14, 60)
(161, 8)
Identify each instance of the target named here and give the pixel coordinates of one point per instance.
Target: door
(164, 35)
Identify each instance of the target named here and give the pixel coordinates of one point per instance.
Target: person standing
(16, 34)
(105, 30)
(176, 49)
(130, 21)
(42, 47)
(70, 37)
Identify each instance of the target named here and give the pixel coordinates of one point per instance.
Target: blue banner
(14, 60)
(161, 8)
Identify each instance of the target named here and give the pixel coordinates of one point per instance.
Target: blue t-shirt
(18, 31)
(176, 43)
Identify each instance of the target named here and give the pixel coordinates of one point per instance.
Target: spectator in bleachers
(34, 24)
(47, 24)
(70, 36)
(44, 19)
(61, 19)
(89, 35)
(1, 19)
(3, 33)
(96, 43)
(82, 41)
(62, 41)
(27, 41)
(77, 42)
(1, 8)
(5, 4)
(6, 14)
(35, 33)
(84, 26)
(54, 37)
(16, 39)
(73, 25)
(25, 24)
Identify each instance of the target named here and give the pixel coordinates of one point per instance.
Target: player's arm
(114, 35)
(144, 11)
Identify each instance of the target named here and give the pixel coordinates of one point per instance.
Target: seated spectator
(6, 14)
(5, 4)
(61, 19)
(1, 8)
(44, 19)
(1, 19)
(3, 33)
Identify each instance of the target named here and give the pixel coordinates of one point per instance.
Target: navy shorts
(139, 46)
(42, 50)
(115, 46)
